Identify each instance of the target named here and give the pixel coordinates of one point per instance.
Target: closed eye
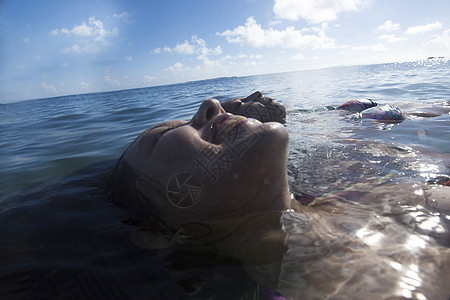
(166, 130)
(236, 104)
(161, 133)
(159, 130)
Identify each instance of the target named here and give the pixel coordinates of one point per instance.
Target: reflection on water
(386, 231)
(387, 243)
(393, 240)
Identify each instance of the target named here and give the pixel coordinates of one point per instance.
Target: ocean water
(62, 239)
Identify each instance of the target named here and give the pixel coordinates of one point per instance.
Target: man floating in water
(220, 180)
(370, 110)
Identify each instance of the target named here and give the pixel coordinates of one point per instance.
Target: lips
(224, 123)
(232, 122)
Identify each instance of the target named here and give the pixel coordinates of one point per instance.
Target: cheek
(173, 167)
(192, 173)
(230, 162)
(174, 152)
(184, 190)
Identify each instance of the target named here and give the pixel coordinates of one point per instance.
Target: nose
(208, 109)
(253, 97)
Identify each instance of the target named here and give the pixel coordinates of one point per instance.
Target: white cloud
(84, 85)
(148, 79)
(375, 47)
(75, 48)
(390, 38)
(83, 29)
(208, 63)
(65, 65)
(128, 58)
(48, 88)
(184, 48)
(208, 68)
(315, 11)
(112, 81)
(423, 28)
(389, 26)
(256, 56)
(26, 40)
(177, 67)
(54, 32)
(298, 56)
(195, 46)
(253, 35)
(439, 43)
(242, 56)
(124, 16)
(274, 22)
(156, 51)
(94, 28)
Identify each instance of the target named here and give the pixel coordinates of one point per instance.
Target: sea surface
(62, 239)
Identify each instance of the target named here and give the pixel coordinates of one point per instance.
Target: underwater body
(62, 238)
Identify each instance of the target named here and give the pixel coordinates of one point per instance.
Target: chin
(270, 150)
(276, 133)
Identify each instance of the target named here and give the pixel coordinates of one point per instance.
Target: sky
(51, 47)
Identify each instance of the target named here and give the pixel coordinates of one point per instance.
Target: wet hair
(126, 190)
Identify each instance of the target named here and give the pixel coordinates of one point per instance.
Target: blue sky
(51, 48)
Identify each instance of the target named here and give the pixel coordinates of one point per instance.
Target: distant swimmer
(368, 109)
(357, 105)
(371, 110)
(384, 113)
